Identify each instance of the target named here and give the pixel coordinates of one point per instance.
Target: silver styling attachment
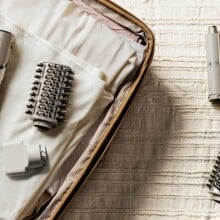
(212, 53)
(6, 40)
(50, 94)
(19, 159)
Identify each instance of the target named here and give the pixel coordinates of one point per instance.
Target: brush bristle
(50, 94)
(214, 179)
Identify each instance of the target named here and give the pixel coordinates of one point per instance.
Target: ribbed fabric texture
(159, 162)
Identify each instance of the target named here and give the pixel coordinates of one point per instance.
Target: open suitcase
(81, 162)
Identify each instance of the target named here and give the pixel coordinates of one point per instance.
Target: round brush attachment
(50, 94)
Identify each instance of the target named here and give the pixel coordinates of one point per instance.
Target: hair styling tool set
(47, 107)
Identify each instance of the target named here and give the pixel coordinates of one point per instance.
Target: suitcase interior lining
(99, 124)
(99, 128)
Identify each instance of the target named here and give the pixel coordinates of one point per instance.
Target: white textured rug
(159, 162)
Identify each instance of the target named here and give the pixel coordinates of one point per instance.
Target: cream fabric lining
(88, 101)
(130, 38)
(93, 135)
(63, 24)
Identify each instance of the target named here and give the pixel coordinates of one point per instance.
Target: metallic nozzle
(213, 29)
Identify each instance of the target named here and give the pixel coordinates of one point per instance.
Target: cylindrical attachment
(213, 29)
(212, 53)
(6, 39)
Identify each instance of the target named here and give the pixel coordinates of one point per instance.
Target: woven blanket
(158, 164)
